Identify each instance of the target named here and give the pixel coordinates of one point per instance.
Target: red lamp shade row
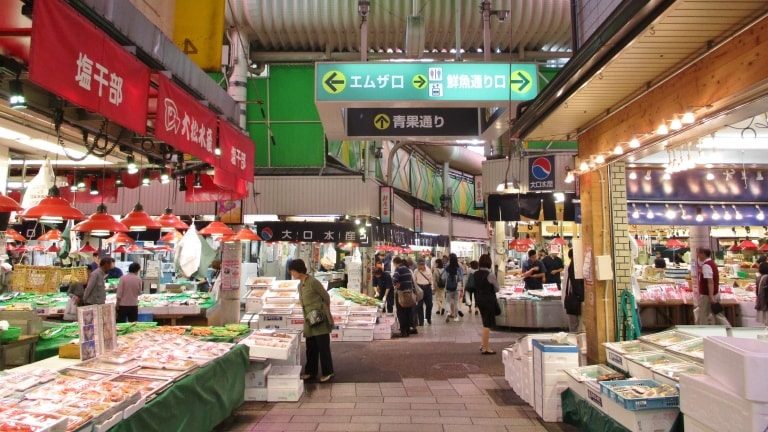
(246, 234)
(53, 208)
(170, 222)
(139, 220)
(100, 224)
(217, 228)
(51, 235)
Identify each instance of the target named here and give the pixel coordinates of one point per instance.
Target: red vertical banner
(418, 220)
(75, 60)
(237, 151)
(185, 123)
(386, 205)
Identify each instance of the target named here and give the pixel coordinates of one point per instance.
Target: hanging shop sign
(386, 204)
(237, 151)
(418, 220)
(541, 173)
(230, 266)
(185, 123)
(197, 29)
(321, 232)
(72, 58)
(479, 197)
(481, 82)
(398, 122)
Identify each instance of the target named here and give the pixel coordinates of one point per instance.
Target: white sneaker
(456, 319)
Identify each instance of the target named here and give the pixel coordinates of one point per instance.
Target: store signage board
(75, 60)
(386, 204)
(479, 197)
(320, 232)
(426, 81)
(230, 266)
(237, 151)
(541, 173)
(400, 122)
(185, 123)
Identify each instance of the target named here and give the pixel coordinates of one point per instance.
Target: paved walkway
(434, 381)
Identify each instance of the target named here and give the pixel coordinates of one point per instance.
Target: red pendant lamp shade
(171, 237)
(120, 249)
(100, 224)
(54, 248)
(169, 222)
(51, 235)
(675, 244)
(88, 248)
(53, 209)
(217, 228)
(246, 234)
(120, 238)
(139, 220)
(8, 204)
(12, 234)
(558, 241)
(748, 245)
(764, 248)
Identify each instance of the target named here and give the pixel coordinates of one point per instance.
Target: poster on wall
(230, 266)
(98, 332)
(386, 205)
(230, 212)
(418, 220)
(479, 197)
(541, 173)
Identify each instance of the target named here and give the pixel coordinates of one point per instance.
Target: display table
(27, 341)
(657, 315)
(579, 412)
(527, 313)
(198, 402)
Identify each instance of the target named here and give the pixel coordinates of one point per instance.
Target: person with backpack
(469, 287)
(438, 287)
(453, 278)
(405, 296)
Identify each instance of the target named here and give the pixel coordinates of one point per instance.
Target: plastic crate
(607, 387)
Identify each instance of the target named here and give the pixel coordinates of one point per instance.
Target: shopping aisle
(434, 381)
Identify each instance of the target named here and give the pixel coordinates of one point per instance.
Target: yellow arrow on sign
(520, 81)
(381, 121)
(334, 82)
(419, 81)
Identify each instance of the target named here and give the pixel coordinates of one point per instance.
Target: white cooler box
(740, 365)
(550, 359)
(284, 384)
(273, 321)
(706, 401)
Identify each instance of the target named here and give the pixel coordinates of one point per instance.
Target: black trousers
(405, 319)
(424, 308)
(319, 348)
(127, 314)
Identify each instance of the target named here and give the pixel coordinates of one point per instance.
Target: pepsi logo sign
(541, 173)
(266, 234)
(541, 168)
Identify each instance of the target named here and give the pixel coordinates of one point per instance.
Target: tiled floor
(460, 399)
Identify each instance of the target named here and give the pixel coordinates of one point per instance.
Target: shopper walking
(318, 322)
(454, 288)
(533, 272)
(573, 296)
(96, 290)
(423, 279)
(486, 287)
(438, 287)
(469, 287)
(709, 291)
(128, 292)
(385, 290)
(761, 302)
(406, 300)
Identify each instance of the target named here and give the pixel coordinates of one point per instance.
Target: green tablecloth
(580, 413)
(46, 348)
(198, 402)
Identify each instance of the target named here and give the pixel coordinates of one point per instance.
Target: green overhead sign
(425, 81)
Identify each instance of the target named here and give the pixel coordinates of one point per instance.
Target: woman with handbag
(486, 287)
(318, 322)
(573, 296)
(405, 296)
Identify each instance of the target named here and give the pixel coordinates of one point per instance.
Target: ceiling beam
(317, 56)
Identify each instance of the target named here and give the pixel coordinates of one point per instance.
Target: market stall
(542, 309)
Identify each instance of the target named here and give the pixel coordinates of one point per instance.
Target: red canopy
(747, 245)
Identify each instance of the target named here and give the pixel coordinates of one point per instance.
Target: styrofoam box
(285, 394)
(382, 336)
(747, 332)
(337, 335)
(525, 344)
(707, 401)
(741, 365)
(273, 321)
(256, 374)
(692, 425)
(283, 376)
(258, 394)
(703, 330)
(654, 420)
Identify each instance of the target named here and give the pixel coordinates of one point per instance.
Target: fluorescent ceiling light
(89, 161)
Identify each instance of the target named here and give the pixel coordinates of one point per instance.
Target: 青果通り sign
(398, 122)
(479, 82)
(75, 60)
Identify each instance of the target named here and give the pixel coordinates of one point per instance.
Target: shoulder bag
(406, 298)
(315, 317)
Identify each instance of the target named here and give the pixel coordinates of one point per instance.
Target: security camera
(502, 15)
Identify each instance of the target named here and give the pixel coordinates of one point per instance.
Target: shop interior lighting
(715, 213)
(632, 175)
(699, 215)
(362, 231)
(669, 213)
(634, 143)
(675, 124)
(165, 178)
(759, 176)
(760, 216)
(737, 213)
(599, 159)
(357, 221)
(583, 166)
(73, 187)
(618, 150)
(217, 150)
(132, 167)
(647, 175)
(569, 177)
(649, 212)
(710, 176)
(635, 212)
(198, 182)
(94, 188)
(367, 222)
(80, 183)
(145, 178)
(17, 100)
(559, 197)
(667, 176)
(182, 184)
(726, 214)
(688, 118)
(662, 129)
(683, 214)
(119, 178)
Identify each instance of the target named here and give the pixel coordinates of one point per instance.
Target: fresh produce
(358, 298)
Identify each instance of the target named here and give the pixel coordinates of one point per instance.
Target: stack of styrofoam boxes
(354, 274)
(383, 329)
(360, 325)
(524, 364)
(248, 319)
(508, 359)
(256, 380)
(732, 395)
(550, 359)
(340, 313)
(284, 384)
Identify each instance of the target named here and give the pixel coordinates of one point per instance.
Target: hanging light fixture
(100, 224)
(647, 175)
(715, 213)
(599, 159)
(120, 238)
(760, 215)
(119, 178)
(618, 150)
(699, 215)
(51, 235)
(17, 100)
(170, 222)
(634, 143)
(649, 214)
(8, 204)
(246, 234)
(138, 220)
(165, 178)
(53, 209)
(737, 213)
(198, 181)
(13, 235)
(145, 178)
(87, 248)
(120, 249)
(216, 229)
(583, 166)
(635, 212)
(662, 129)
(670, 214)
(94, 187)
(675, 124)
(81, 183)
(726, 214)
(182, 184)
(132, 167)
(171, 237)
(569, 177)
(688, 117)
(632, 175)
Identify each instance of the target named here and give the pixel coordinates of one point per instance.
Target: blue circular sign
(541, 168)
